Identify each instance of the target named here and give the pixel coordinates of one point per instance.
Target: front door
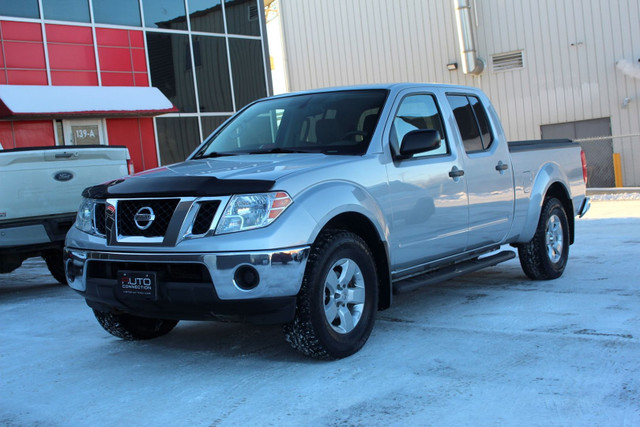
(84, 132)
(428, 206)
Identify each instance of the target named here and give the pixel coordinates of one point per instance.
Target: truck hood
(216, 177)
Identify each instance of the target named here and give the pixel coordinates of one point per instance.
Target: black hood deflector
(176, 186)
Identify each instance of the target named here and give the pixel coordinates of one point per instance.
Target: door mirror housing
(420, 141)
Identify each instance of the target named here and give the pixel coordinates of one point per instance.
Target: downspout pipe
(471, 63)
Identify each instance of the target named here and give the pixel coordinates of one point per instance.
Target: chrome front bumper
(280, 272)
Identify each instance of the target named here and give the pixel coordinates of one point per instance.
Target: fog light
(246, 277)
(71, 270)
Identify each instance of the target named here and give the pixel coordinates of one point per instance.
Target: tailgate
(50, 181)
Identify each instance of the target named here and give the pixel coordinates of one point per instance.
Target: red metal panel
(74, 78)
(141, 79)
(6, 135)
(136, 39)
(148, 144)
(139, 60)
(115, 59)
(69, 34)
(111, 37)
(24, 55)
(26, 77)
(117, 79)
(34, 133)
(3, 77)
(22, 31)
(127, 132)
(71, 57)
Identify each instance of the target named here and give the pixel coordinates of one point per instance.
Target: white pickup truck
(40, 191)
(311, 209)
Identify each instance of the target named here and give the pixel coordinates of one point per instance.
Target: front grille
(162, 209)
(101, 218)
(203, 220)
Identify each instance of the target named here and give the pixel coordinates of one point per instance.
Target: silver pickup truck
(312, 209)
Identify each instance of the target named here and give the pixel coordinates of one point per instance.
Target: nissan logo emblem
(144, 218)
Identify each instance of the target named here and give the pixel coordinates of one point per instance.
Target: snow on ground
(489, 348)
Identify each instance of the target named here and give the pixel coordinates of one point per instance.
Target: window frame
(445, 135)
(466, 95)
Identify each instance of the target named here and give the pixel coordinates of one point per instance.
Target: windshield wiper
(213, 154)
(278, 150)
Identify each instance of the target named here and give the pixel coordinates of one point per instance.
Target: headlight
(249, 211)
(84, 219)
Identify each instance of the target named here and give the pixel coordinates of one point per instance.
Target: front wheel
(133, 328)
(545, 256)
(55, 264)
(338, 300)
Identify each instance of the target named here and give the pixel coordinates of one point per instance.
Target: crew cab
(312, 209)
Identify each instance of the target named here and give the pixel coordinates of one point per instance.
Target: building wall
(570, 49)
(206, 56)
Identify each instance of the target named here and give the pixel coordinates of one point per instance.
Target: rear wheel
(55, 264)
(338, 300)
(545, 256)
(132, 328)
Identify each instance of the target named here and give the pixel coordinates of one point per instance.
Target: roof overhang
(43, 102)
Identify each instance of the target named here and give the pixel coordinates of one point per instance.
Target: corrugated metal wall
(570, 48)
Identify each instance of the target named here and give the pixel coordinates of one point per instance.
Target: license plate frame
(137, 285)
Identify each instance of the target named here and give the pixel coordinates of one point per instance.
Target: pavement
(488, 348)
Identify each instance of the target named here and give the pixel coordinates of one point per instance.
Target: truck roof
(387, 86)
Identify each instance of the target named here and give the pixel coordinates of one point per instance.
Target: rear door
(487, 169)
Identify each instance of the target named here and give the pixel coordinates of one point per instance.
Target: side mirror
(420, 141)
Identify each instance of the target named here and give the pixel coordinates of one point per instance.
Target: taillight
(584, 166)
(130, 166)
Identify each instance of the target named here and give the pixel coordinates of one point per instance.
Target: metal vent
(507, 61)
(253, 13)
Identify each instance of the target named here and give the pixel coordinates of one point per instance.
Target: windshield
(328, 122)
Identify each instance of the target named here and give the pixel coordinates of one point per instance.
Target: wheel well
(558, 191)
(363, 227)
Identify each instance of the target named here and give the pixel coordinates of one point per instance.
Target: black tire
(543, 259)
(55, 264)
(311, 332)
(133, 328)
(9, 263)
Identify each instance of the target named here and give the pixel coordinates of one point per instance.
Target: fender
(326, 200)
(549, 174)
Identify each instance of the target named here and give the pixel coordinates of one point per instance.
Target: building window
(118, 12)
(177, 138)
(211, 123)
(212, 73)
(242, 17)
(170, 64)
(247, 66)
(66, 10)
(206, 16)
(21, 8)
(169, 14)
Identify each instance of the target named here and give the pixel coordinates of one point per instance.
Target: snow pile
(615, 197)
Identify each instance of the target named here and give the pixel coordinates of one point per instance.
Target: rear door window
(472, 122)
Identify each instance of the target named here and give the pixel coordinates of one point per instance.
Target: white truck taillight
(584, 166)
(130, 167)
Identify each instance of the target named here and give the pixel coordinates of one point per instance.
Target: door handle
(500, 167)
(456, 173)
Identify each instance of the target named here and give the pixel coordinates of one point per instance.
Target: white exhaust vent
(507, 61)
